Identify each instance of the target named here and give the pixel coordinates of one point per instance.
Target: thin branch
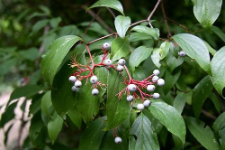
(208, 114)
(86, 30)
(164, 16)
(153, 11)
(138, 22)
(111, 12)
(98, 19)
(101, 38)
(180, 25)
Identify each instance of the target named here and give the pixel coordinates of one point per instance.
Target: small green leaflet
(218, 71)
(109, 3)
(207, 11)
(122, 24)
(138, 55)
(153, 32)
(120, 48)
(146, 138)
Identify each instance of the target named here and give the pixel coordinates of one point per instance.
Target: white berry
(161, 82)
(119, 68)
(118, 140)
(132, 87)
(94, 79)
(108, 62)
(182, 53)
(121, 62)
(130, 98)
(95, 91)
(78, 83)
(106, 46)
(147, 103)
(140, 106)
(150, 88)
(156, 95)
(155, 78)
(72, 78)
(74, 88)
(156, 72)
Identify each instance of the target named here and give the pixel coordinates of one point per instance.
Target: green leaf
(156, 57)
(75, 116)
(139, 55)
(219, 123)
(54, 127)
(153, 32)
(54, 22)
(46, 103)
(30, 54)
(7, 65)
(207, 11)
(114, 4)
(195, 48)
(92, 136)
(39, 25)
(200, 93)
(122, 24)
(87, 104)
(116, 110)
(219, 32)
(214, 98)
(8, 115)
(218, 67)
(180, 101)
(170, 118)
(203, 134)
(61, 94)
(165, 47)
(146, 138)
(135, 36)
(173, 62)
(57, 51)
(170, 79)
(120, 48)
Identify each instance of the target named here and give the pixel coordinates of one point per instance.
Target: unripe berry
(119, 68)
(150, 88)
(94, 79)
(156, 72)
(155, 78)
(147, 103)
(95, 91)
(140, 106)
(78, 83)
(106, 46)
(161, 82)
(130, 98)
(182, 53)
(108, 62)
(121, 62)
(132, 87)
(72, 78)
(118, 140)
(75, 89)
(156, 95)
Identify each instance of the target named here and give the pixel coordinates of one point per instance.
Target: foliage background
(28, 27)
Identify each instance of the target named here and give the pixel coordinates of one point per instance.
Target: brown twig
(149, 16)
(98, 19)
(101, 38)
(166, 23)
(86, 30)
(208, 114)
(111, 12)
(180, 25)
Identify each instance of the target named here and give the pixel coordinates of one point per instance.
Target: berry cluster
(135, 89)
